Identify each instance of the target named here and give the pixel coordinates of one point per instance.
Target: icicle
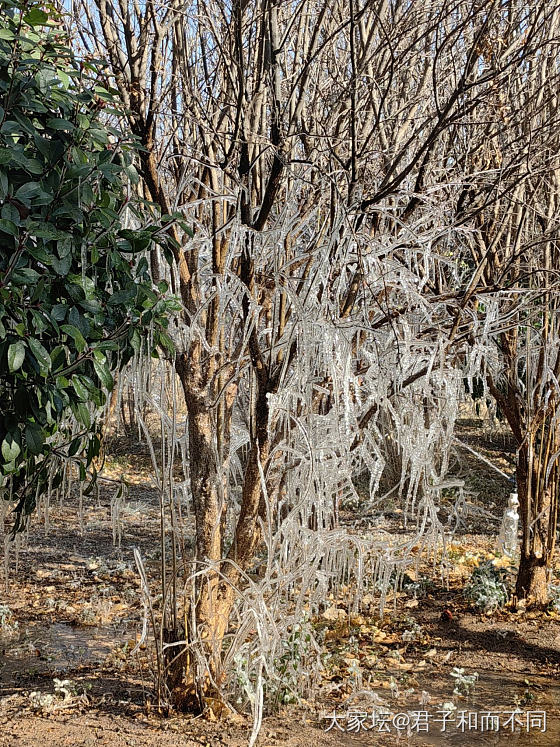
(17, 544)
(4, 508)
(6, 561)
(117, 502)
(81, 507)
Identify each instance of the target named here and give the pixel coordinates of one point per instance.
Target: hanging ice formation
(357, 396)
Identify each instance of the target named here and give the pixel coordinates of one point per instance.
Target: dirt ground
(72, 613)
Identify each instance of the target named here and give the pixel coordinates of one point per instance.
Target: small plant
(414, 633)
(288, 666)
(66, 694)
(8, 625)
(66, 688)
(554, 594)
(292, 665)
(242, 678)
(526, 699)
(419, 589)
(486, 589)
(448, 707)
(464, 683)
(355, 673)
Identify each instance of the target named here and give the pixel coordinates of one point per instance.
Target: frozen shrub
(554, 594)
(297, 650)
(464, 683)
(8, 625)
(67, 694)
(413, 633)
(420, 588)
(486, 589)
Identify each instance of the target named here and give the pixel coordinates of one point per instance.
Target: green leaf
(43, 198)
(40, 353)
(123, 297)
(82, 414)
(10, 448)
(105, 345)
(37, 252)
(94, 448)
(166, 342)
(34, 166)
(132, 174)
(79, 321)
(76, 335)
(93, 482)
(58, 357)
(62, 266)
(75, 446)
(11, 128)
(87, 196)
(64, 248)
(99, 136)
(10, 212)
(187, 229)
(63, 78)
(62, 382)
(28, 191)
(60, 124)
(103, 374)
(135, 339)
(39, 322)
(47, 231)
(3, 185)
(25, 276)
(136, 241)
(16, 355)
(36, 17)
(7, 226)
(81, 390)
(59, 311)
(34, 438)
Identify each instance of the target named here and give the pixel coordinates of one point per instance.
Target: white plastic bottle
(507, 539)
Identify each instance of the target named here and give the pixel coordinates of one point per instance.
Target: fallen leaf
(334, 613)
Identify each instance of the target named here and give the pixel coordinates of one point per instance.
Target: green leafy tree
(75, 290)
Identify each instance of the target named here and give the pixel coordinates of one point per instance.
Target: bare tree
(338, 162)
(512, 300)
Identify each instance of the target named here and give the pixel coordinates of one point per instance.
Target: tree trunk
(532, 579)
(537, 489)
(217, 588)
